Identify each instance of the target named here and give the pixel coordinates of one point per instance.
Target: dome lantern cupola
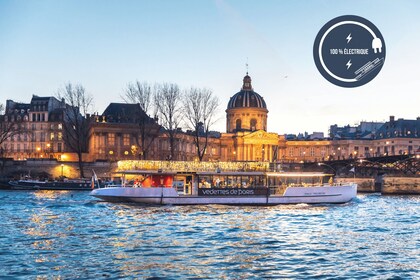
(247, 83)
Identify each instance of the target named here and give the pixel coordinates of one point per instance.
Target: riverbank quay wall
(401, 185)
(364, 185)
(385, 185)
(53, 169)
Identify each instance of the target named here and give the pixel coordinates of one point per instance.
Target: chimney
(391, 119)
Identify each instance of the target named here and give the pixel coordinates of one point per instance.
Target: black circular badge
(349, 51)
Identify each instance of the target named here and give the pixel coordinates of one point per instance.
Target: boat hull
(58, 186)
(169, 196)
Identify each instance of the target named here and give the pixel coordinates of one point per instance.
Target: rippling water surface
(68, 235)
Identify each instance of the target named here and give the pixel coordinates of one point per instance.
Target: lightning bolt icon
(349, 38)
(348, 64)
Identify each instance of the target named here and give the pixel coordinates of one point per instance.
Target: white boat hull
(292, 195)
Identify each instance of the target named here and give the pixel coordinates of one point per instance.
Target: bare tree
(76, 125)
(200, 106)
(167, 100)
(139, 92)
(142, 94)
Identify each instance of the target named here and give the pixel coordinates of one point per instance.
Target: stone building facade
(124, 132)
(41, 129)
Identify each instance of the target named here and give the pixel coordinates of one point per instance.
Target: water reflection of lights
(39, 223)
(47, 194)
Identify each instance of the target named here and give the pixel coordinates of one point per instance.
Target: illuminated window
(60, 136)
(126, 139)
(60, 126)
(291, 151)
(101, 141)
(52, 136)
(111, 139)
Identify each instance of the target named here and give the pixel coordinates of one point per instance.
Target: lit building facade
(125, 132)
(41, 129)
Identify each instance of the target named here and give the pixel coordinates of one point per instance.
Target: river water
(70, 235)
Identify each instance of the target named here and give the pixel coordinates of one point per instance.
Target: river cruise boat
(70, 185)
(226, 188)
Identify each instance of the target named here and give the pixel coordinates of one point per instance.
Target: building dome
(247, 97)
(246, 110)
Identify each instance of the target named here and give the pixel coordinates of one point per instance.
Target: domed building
(246, 110)
(246, 137)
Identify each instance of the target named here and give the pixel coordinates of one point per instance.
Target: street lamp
(321, 163)
(62, 170)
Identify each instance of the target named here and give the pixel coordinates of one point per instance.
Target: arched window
(253, 124)
(238, 124)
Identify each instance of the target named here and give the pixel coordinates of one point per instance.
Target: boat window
(231, 181)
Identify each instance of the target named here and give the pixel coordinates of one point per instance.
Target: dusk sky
(104, 45)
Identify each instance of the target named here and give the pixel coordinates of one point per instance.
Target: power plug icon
(377, 45)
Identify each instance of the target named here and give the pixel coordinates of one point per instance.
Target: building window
(238, 124)
(301, 151)
(253, 124)
(59, 147)
(291, 151)
(101, 141)
(60, 136)
(312, 151)
(111, 139)
(52, 136)
(126, 139)
(60, 126)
